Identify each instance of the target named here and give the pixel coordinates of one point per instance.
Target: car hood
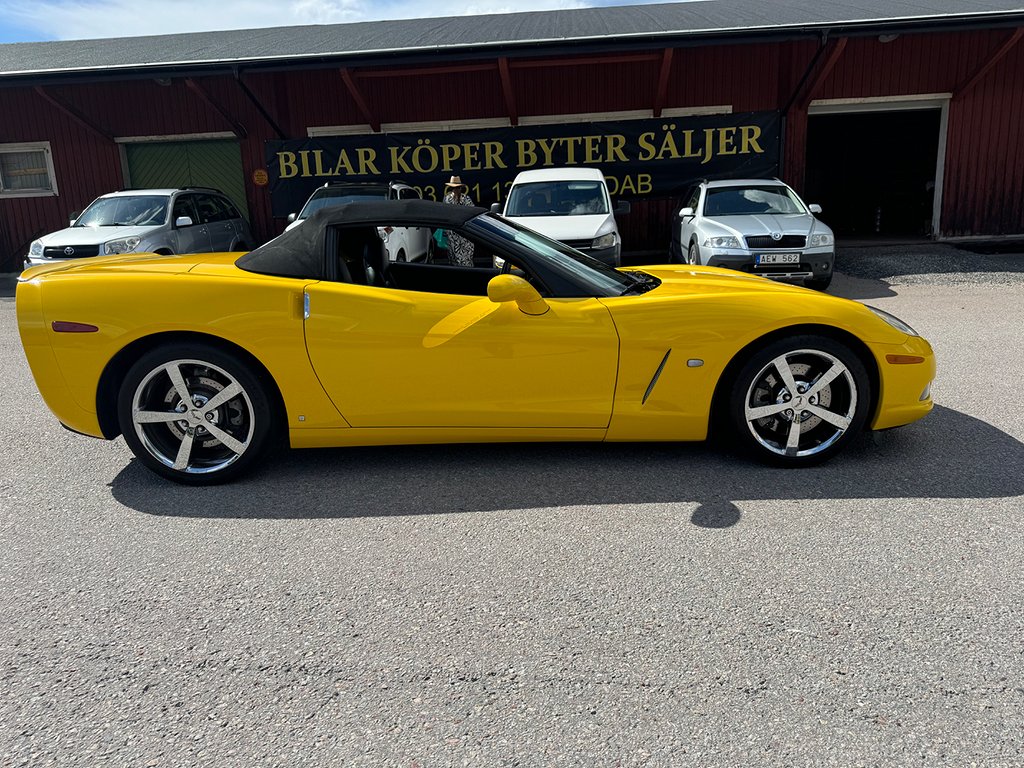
(563, 228)
(92, 235)
(134, 262)
(767, 223)
(697, 280)
(690, 287)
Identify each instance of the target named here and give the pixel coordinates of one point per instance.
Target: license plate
(766, 259)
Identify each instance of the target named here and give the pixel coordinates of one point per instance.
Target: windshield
(325, 198)
(600, 280)
(744, 201)
(557, 198)
(125, 211)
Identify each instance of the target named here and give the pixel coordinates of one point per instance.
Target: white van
(571, 205)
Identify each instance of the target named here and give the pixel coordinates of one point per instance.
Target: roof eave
(517, 49)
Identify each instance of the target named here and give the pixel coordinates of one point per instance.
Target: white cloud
(85, 19)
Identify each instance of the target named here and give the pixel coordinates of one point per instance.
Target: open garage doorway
(876, 168)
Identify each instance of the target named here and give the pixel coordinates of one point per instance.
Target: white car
(164, 221)
(401, 243)
(571, 205)
(759, 226)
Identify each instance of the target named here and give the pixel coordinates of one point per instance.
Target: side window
(692, 197)
(229, 208)
(210, 209)
(358, 255)
(183, 206)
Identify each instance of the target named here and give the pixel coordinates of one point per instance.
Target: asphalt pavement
(570, 605)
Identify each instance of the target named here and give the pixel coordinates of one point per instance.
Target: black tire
(693, 255)
(819, 283)
(244, 420)
(760, 385)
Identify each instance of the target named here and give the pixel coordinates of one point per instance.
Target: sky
(28, 21)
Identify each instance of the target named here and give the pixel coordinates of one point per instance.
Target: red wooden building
(904, 120)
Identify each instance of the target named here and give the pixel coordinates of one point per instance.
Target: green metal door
(213, 163)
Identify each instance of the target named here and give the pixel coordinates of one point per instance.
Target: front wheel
(693, 255)
(194, 414)
(798, 401)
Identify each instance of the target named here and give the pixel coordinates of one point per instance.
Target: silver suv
(754, 225)
(166, 221)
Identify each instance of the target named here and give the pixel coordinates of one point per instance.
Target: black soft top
(299, 252)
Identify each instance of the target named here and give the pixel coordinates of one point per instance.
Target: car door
(397, 358)
(238, 224)
(687, 225)
(417, 238)
(193, 237)
(217, 219)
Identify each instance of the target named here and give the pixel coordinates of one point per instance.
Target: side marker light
(64, 326)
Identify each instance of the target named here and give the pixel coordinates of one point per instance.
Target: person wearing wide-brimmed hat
(460, 250)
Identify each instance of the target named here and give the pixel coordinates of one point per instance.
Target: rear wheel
(798, 401)
(195, 414)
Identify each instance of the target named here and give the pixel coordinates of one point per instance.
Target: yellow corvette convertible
(206, 362)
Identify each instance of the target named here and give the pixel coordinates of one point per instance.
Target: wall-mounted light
(887, 38)
(164, 81)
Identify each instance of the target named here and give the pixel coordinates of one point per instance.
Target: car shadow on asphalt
(947, 455)
(859, 288)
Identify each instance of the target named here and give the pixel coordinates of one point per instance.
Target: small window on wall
(26, 170)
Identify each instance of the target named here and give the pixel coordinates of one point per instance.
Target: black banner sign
(640, 158)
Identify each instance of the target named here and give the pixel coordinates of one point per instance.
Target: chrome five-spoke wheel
(194, 418)
(798, 400)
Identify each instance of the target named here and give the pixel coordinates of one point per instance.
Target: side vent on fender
(654, 379)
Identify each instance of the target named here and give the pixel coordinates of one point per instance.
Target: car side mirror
(814, 208)
(686, 213)
(292, 217)
(622, 207)
(505, 288)
(73, 217)
(183, 221)
(495, 207)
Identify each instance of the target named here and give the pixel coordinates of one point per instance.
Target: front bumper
(814, 264)
(904, 388)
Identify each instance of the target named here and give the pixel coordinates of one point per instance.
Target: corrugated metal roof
(488, 32)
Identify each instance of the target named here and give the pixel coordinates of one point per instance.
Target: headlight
(723, 242)
(604, 241)
(36, 249)
(817, 241)
(894, 321)
(124, 245)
